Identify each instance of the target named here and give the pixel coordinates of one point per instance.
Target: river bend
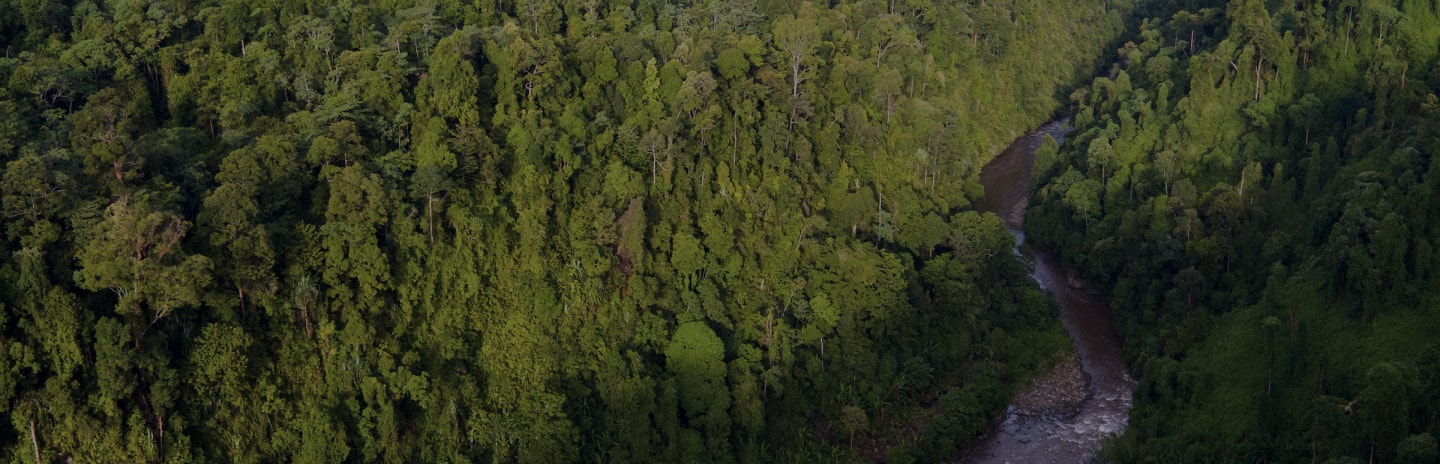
(1027, 436)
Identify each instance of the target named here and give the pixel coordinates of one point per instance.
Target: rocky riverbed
(1057, 395)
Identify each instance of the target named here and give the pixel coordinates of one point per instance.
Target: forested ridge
(528, 231)
(1255, 185)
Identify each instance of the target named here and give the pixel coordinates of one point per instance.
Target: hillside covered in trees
(645, 231)
(1255, 185)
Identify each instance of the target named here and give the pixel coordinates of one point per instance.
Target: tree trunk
(795, 76)
(1240, 191)
(33, 442)
(1257, 78)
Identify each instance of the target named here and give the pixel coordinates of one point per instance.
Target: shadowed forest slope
(1255, 186)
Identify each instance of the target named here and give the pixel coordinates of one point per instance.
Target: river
(1027, 436)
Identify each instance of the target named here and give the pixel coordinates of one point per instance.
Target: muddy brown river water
(1058, 436)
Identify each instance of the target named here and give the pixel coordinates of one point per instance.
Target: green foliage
(1417, 448)
(523, 231)
(1249, 183)
(135, 252)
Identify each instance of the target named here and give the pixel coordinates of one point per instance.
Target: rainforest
(733, 231)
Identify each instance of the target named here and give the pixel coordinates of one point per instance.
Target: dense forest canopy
(587, 230)
(1255, 184)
